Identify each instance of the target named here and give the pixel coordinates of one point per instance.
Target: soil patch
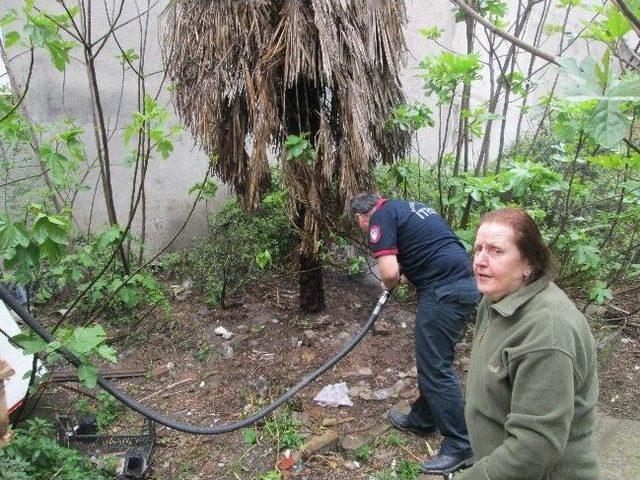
(200, 377)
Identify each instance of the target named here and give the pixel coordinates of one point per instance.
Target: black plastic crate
(133, 451)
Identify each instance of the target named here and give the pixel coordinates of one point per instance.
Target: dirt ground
(199, 377)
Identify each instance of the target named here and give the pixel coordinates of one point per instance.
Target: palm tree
(249, 73)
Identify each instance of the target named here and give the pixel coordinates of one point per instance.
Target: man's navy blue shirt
(429, 253)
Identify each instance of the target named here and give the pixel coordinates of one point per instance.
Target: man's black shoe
(403, 422)
(442, 463)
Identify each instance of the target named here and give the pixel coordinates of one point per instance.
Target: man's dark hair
(364, 202)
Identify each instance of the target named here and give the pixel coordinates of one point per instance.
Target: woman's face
(497, 263)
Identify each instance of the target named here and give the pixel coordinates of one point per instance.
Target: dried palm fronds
(247, 73)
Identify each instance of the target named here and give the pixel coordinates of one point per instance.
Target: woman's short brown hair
(528, 238)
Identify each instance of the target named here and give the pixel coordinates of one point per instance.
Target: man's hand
(401, 281)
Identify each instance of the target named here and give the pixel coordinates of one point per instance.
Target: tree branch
(501, 33)
(628, 14)
(26, 89)
(29, 177)
(631, 145)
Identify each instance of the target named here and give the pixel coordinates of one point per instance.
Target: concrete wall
(4, 80)
(53, 95)
(425, 14)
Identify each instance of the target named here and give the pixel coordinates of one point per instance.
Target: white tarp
(15, 386)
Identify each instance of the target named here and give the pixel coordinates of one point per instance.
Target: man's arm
(389, 270)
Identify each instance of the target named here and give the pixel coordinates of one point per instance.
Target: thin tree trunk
(569, 174)
(100, 130)
(503, 123)
(441, 150)
(462, 143)
(483, 157)
(536, 42)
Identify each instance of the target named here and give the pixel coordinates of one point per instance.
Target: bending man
(412, 242)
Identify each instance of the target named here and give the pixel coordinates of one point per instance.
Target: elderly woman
(532, 384)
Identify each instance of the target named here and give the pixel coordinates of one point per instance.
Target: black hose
(12, 303)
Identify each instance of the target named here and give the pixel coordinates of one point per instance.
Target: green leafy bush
(558, 179)
(107, 410)
(408, 470)
(299, 147)
(34, 455)
(76, 271)
(407, 179)
(28, 244)
(404, 470)
(271, 475)
(86, 343)
(394, 439)
(241, 246)
(363, 453)
(442, 73)
(284, 431)
(356, 265)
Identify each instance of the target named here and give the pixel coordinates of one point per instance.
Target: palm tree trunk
(302, 115)
(311, 279)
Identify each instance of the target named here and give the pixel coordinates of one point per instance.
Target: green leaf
(24, 262)
(59, 53)
(625, 89)
(165, 147)
(86, 339)
(444, 72)
(51, 228)
(603, 72)
(60, 166)
(108, 353)
(30, 342)
(128, 56)
(608, 124)
(431, 33)
(581, 80)
(568, 3)
(157, 134)
(129, 295)
(600, 293)
(11, 38)
(208, 189)
(137, 122)
(412, 117)
(9, 18)
(54, 346)
(609, 30)
(299, 147)
(110, 237)
(88, 374)
(249, 436)
(12, 236)
(50, 250)
(613, 161)
(264, 259)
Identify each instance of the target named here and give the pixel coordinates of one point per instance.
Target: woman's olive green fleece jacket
(532, 389)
